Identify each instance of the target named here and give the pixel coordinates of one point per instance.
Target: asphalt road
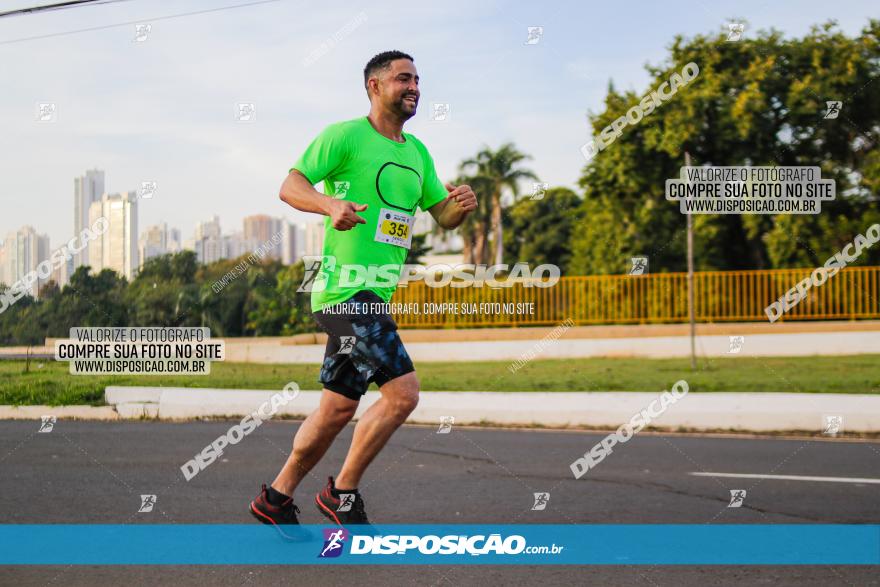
(95, 472)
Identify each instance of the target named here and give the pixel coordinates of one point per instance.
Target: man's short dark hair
(382, 61)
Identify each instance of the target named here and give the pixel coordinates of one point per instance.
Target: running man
(375, 177)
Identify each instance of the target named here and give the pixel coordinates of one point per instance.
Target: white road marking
(789, 477)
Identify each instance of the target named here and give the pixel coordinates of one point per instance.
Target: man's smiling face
(399, 88)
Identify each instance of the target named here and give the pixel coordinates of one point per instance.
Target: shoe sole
(260, 516)
(327, 512)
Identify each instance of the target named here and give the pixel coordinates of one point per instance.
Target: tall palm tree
(498, 170)
(475, 227)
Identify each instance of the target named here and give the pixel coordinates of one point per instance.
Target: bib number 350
(395, 228)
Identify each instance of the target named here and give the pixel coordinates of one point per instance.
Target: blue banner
(456, 544)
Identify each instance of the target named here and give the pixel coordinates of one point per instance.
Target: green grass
(53, 385)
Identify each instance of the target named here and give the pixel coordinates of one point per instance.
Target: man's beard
(403, 110)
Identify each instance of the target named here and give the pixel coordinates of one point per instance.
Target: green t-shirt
(358, 164)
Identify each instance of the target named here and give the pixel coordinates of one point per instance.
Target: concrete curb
(61, 412)
(748, 412)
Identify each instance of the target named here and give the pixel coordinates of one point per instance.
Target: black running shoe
(273, 515)
(341, 507)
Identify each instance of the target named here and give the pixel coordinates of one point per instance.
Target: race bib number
(395, 228)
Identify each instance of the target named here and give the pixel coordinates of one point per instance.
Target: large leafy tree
(92, 300)
(223, 294)
(164, 292)
(758, 101)
(88, 300)
(262, 283)
(286, 311)
(539, 230)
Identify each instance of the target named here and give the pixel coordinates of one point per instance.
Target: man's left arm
(451, 211)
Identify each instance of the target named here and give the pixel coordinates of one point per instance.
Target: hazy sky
(163, 109)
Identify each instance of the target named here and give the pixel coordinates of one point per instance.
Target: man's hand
(451, 212)
(343, 214)
(463, 195)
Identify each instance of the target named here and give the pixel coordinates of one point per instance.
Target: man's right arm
(298, 192)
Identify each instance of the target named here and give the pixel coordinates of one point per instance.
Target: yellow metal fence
(719, 296)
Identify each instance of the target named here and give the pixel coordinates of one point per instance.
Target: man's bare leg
(399, 398)
(313, 438)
